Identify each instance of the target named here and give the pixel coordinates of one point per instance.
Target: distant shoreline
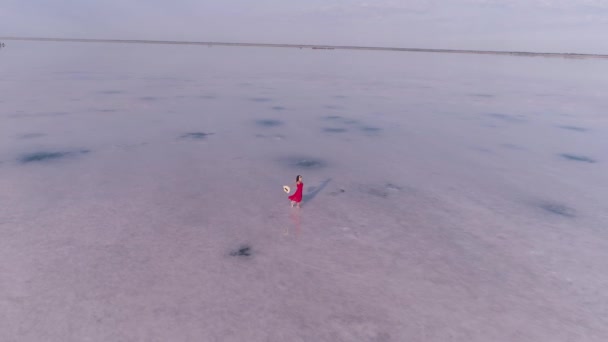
(310, 46)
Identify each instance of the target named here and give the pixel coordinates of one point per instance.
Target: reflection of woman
(295, 217)
(296, 198)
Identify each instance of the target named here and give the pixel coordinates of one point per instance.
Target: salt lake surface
(447, 197)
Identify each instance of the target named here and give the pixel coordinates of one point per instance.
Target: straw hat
(286, 189)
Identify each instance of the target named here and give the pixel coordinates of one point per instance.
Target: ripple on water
(44, 156)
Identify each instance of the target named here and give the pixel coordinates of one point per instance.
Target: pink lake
(446, 198)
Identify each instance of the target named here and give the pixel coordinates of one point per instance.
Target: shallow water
(447, 197)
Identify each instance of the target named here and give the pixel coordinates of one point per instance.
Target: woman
(296, 198)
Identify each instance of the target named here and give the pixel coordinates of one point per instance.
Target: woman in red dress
(296, 198)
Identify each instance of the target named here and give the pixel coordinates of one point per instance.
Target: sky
(520, 25)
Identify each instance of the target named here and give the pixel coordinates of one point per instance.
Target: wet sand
(447, 197)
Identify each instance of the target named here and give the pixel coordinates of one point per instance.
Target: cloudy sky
(531, 25)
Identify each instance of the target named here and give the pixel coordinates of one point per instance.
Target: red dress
(297, 196)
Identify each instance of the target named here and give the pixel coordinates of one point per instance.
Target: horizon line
(311, 46)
